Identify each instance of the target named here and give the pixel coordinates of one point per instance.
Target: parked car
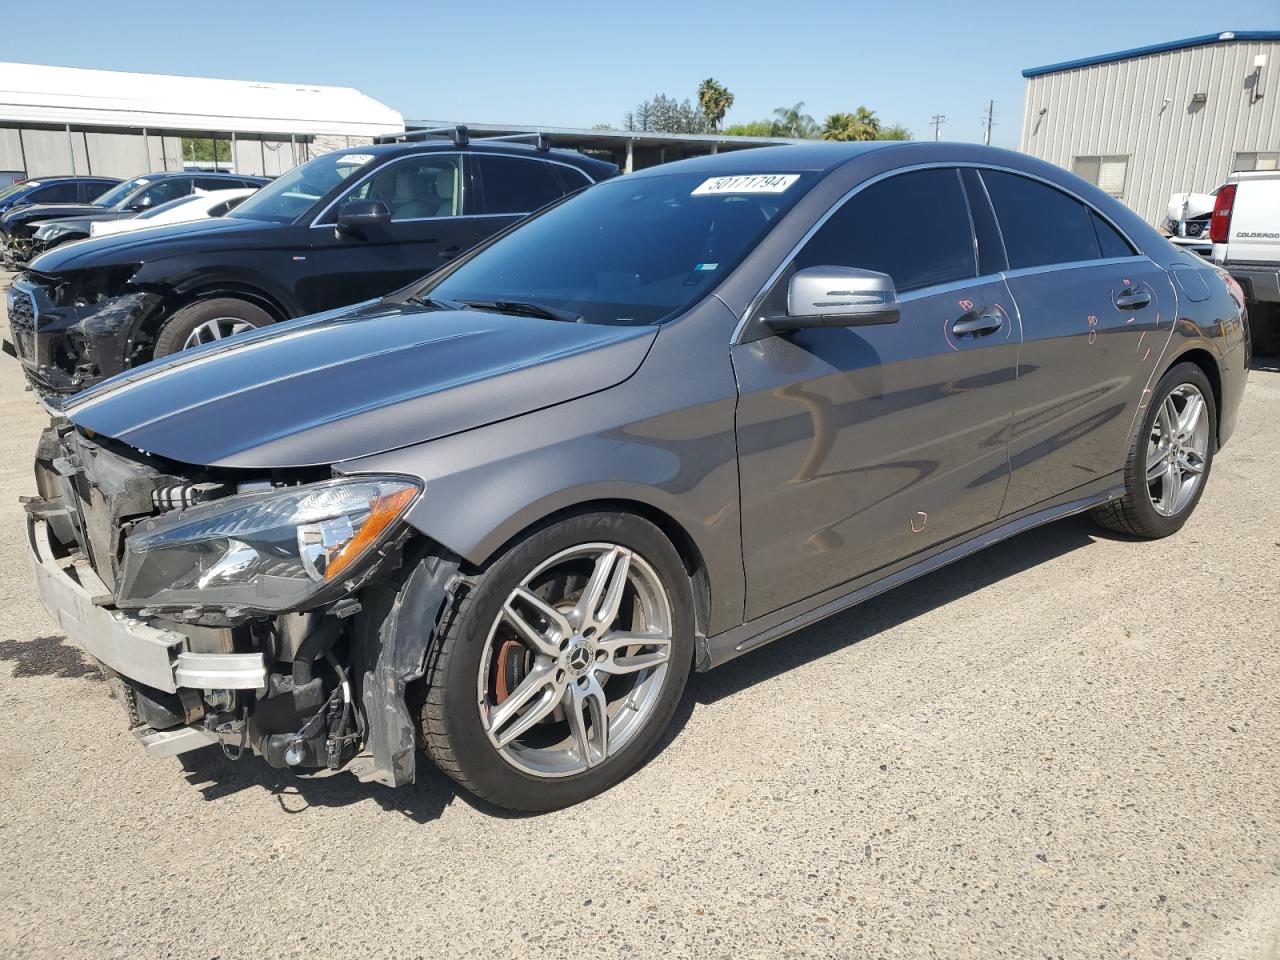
(200, 205)
(505, 511)
(1246, 241)
(1187, 222)
(339, 229)
(52, 190)
(9, 177)
(126, 199)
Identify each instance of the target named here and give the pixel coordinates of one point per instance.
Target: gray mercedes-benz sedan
(500, 516)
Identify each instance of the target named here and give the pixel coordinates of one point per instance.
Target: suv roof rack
(541, 141)
(461, 137)
(457, 134)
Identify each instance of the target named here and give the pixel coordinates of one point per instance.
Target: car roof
(814, 156)
(67, 176)
(572, 157)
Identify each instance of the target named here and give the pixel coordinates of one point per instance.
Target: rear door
(1095, 318)
(860, 446)
(431, 223)
(513, 187)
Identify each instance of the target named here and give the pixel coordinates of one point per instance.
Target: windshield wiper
(436, 303)
(525, 308)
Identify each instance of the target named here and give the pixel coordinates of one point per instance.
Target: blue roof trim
(1231, 36)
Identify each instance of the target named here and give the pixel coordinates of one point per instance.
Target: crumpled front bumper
(65, 349)
(79, 603)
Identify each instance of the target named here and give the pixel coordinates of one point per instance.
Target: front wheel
(564, 664)
(1170, 458)
(207, 321)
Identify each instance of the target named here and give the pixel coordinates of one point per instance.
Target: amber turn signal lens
(384, 511)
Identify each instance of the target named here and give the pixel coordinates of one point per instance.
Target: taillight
(1220, 224)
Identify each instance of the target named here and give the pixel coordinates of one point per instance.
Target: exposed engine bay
(229, 607)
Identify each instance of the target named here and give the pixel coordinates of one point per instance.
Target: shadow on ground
(216, 776)
(51, 656)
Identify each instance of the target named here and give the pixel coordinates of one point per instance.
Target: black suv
(53, 190)
(342, 228)
(127, 199)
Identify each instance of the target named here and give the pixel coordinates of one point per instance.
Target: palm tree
(862, 124)
(794, 122)
(715, 100)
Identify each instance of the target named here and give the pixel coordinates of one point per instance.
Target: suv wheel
(563, 665)
(1170, 458)
(206, 321)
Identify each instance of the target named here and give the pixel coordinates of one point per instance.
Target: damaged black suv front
(74, 328)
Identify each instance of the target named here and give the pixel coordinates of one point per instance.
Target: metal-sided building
(1149, 122)
(66, 120)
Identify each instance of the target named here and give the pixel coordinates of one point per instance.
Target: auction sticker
(357, 158)
(747, 183)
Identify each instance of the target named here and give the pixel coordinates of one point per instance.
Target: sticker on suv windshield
(747, 183)
(356, 158)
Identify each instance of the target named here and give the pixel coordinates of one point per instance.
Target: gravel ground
(1066, 746)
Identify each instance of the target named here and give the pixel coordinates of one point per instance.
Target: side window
(914, 227)
(1109, 238)
(1041, 225)
(162, 191)
(93, 189)
(414, 188)
(517, 185)
(56, 193)
(213, 183)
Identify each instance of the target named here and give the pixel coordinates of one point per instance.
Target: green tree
(202, 150)
(894, 131)
(862, 124)
(794, 122)
(756, 128)
(715, 100)
(665, 114)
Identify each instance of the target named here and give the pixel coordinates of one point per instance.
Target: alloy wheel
(217, 329)
(1177, 450)
(575, 660)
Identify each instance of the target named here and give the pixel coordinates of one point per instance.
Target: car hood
(354, 382)
(48, 211)
(84, 219)
(139, 246)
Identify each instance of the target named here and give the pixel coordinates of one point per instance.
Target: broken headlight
(266, 552)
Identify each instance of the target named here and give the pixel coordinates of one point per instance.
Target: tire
(473, 667)
(179, 329)
(1154, 508)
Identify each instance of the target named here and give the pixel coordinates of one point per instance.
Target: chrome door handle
(1133, 301)
(978, 326)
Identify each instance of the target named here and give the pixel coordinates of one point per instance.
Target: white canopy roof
(39, 94)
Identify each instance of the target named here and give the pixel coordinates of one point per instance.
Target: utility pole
(991, 121)
(937, 120)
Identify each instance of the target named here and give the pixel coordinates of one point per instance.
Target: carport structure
(67, 120)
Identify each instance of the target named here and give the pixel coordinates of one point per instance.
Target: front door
(427, 197)
(861, 446)
(1095, 319)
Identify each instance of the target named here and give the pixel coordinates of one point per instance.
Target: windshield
(16, 187)
(291, 195)
(629, 251)
(120, 191)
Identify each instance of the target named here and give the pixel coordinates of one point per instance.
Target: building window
(1257, 161)
(1107, 173)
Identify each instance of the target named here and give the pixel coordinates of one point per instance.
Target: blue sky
(573, 64)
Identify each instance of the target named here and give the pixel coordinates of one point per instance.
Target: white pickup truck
(1245, 231)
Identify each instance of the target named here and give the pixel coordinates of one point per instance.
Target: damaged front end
(71, 331)
(228, 608)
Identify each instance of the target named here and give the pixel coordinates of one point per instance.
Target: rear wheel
(207, 321)
(1170, 459)
(564, 664)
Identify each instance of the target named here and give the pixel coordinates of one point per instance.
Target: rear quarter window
(518, 185)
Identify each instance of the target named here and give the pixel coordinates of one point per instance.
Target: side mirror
(359, 215)
(141, 204)
(837, 297)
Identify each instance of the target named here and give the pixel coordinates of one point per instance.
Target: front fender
(662, 439)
